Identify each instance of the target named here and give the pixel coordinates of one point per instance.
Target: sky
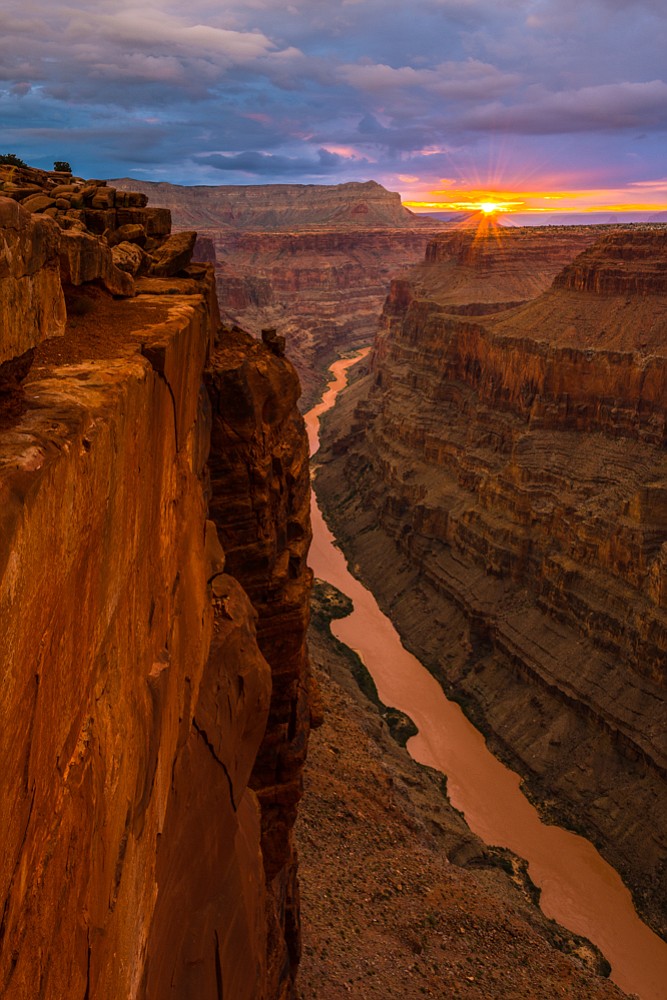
(534, 105)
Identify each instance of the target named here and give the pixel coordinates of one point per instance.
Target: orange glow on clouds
(653, 196)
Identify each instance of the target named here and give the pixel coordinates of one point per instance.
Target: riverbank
(399, 898)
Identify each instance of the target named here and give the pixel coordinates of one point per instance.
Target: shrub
(62, 166)
(12, 159)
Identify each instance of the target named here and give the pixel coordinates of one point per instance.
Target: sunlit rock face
(500, 477)
(32, 305)
(137, 859)
(312, 261)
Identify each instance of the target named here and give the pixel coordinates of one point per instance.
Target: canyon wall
(313, 262)
(500, 479)
(154, 715)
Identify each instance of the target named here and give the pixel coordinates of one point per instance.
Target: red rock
(260, 503)
(127, 257)
(173, 255)
(32, 306)
(37, 202)
(84, 259)
(511, 462)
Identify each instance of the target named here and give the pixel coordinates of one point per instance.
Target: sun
(490, 207)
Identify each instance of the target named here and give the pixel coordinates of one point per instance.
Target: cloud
(259, 164)
(463, 81)
(618, 106)
(259, 88)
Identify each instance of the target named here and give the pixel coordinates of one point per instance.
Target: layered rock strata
(420, 907)
(322, 290)
(314, 262)
(500, 478)
(135, 698)
(287, 207)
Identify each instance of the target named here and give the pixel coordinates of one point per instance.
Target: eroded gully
(578, 888)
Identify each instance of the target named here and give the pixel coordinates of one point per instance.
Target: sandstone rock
(127, 257)
(139, 764)
(84, 259)
(64, 189)
(104, 198)
(166, 286)
(131, 199)
(511, 462)
(99, 220)
(20, 192)
(156, 221)
(37, 202)
(173, 255)
(128, 234)
(260, 504)
(32, 306)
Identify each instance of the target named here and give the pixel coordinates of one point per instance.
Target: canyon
(158, 698)
(497, 477)
(313, 262)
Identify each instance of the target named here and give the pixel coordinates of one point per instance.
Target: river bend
(578, 888)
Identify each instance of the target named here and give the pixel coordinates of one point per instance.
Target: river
(578, 888)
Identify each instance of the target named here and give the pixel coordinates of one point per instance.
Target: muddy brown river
(578, 888)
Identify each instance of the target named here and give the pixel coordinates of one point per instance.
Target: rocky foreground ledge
(153, 721)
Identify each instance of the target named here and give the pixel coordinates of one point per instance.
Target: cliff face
(280, 206)
(322, 291)
(137, 859)
(260, 487)
(503, 486)
(312, 261)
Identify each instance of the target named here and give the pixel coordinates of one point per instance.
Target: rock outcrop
(146, 807)
(500, 479)
(94, 218)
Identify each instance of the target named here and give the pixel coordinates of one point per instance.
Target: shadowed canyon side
(151, 762)
(499, 479)
(313, 261)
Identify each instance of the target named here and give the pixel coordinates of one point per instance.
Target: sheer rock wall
(135, 695)
(501, 481)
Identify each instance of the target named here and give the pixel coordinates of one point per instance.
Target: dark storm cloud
(342, 89)
(270, 165)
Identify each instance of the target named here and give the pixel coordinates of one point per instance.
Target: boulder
(132, 233)
(174, 254)
(104, 197)
(83, 258)
(128, 257)
(37, 202)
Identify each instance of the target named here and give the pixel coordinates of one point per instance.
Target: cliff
(281, 206)
(499, 477)
(322, 291)
(154, 720)
(312, 261)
